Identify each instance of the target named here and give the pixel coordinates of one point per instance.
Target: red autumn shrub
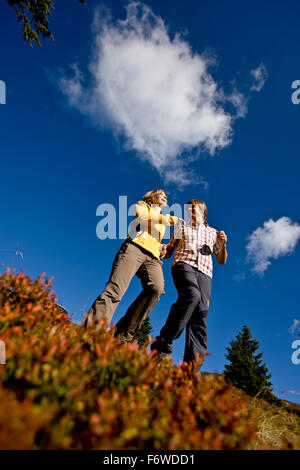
(89, 392)
(21, 423)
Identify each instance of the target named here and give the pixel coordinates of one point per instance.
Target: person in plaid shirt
(192, 269)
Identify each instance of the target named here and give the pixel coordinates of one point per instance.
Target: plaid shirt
(195, 246)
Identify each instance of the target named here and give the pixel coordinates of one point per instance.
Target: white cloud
(154, 91)
(295, 327)
(291, 391)
(239, 102)
(73, 88)
(260, 75)
(274, 239)
(239, 276)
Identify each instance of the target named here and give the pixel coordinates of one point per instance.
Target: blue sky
(61, 159)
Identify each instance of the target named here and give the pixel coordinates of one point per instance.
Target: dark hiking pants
(130, 260)
(189, 311)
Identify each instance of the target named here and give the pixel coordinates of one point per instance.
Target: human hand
(162, 250)
(222, 237)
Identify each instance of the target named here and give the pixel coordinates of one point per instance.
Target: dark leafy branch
(33, 14)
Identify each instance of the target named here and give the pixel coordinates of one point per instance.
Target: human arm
(146, 217)
(169, 249)
(220, 249)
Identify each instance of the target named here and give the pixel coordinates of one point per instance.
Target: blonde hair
(193, 202)
(151, 196)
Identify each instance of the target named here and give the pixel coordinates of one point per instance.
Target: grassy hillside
(278, 424)
(67, 388)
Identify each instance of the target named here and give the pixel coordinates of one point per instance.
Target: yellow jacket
(148, 227)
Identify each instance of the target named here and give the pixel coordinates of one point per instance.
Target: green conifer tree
(33, 14)
(245, 370)
(142, 334)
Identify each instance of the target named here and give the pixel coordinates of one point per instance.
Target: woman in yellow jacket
(140, 255)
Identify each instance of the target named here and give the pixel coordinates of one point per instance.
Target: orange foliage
(67, 388)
